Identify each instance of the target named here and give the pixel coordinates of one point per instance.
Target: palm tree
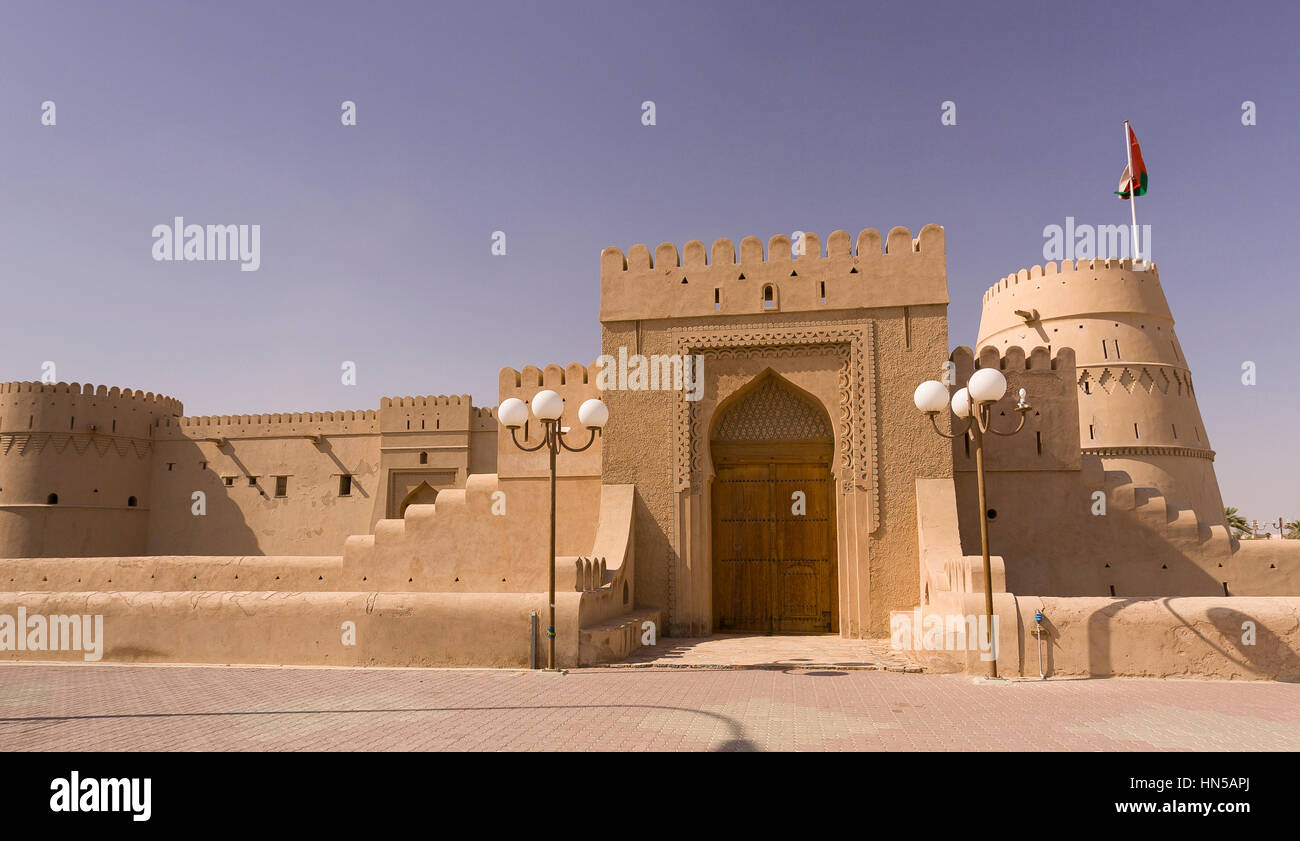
(1236, 522)
(1293, 529)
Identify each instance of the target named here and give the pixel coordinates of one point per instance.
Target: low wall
(1235, 638)
(307, 629)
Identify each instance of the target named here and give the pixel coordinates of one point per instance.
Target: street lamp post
(974, 404)
(547, 407)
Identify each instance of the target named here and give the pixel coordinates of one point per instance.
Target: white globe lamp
(593, 414)
(547, 405)
(512, 413)
(931, 396)
(961, 403)
(987, 385)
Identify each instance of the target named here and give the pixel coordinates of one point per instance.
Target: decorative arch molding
(855, 424)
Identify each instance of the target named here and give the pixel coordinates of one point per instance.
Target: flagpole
(1132, 191)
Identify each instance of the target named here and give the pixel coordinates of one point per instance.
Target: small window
(170, 465)
(424, 458)
(130, 502)
(230, 481)
(52, 499)
(281, 486)
(252, 481)
(345, 485)
(203, 465)
(769, 297)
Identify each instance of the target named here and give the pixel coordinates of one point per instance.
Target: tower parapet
(799, 278)
(1137, 403)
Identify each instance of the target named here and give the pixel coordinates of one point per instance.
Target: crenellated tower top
(789, 277)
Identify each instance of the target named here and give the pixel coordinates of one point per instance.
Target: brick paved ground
(742, 651)
(80, 707)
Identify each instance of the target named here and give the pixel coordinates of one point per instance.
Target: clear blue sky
(525, 118)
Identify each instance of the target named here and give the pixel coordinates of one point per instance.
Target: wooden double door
(774, 564)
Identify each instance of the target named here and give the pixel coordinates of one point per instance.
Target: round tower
(75, 468)
(1137, 405)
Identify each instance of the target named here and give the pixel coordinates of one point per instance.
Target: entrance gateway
(774, 563)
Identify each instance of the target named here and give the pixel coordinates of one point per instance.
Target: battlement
(270, 425)
(207, 421)
(168, 405)
(483, 419)
(1104, 290)
(700, 281)
(426, 401)
(427, 413)
(531, 379)
(1013, 359)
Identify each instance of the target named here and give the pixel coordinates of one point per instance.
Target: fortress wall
(899, 292)
(125, 466)
(249, 519)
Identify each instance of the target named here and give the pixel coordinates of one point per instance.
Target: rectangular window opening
(345, 485)
(281, 486)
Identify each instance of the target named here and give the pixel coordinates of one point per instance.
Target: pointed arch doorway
(773, 513)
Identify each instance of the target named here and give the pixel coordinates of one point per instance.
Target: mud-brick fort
(257, 538)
